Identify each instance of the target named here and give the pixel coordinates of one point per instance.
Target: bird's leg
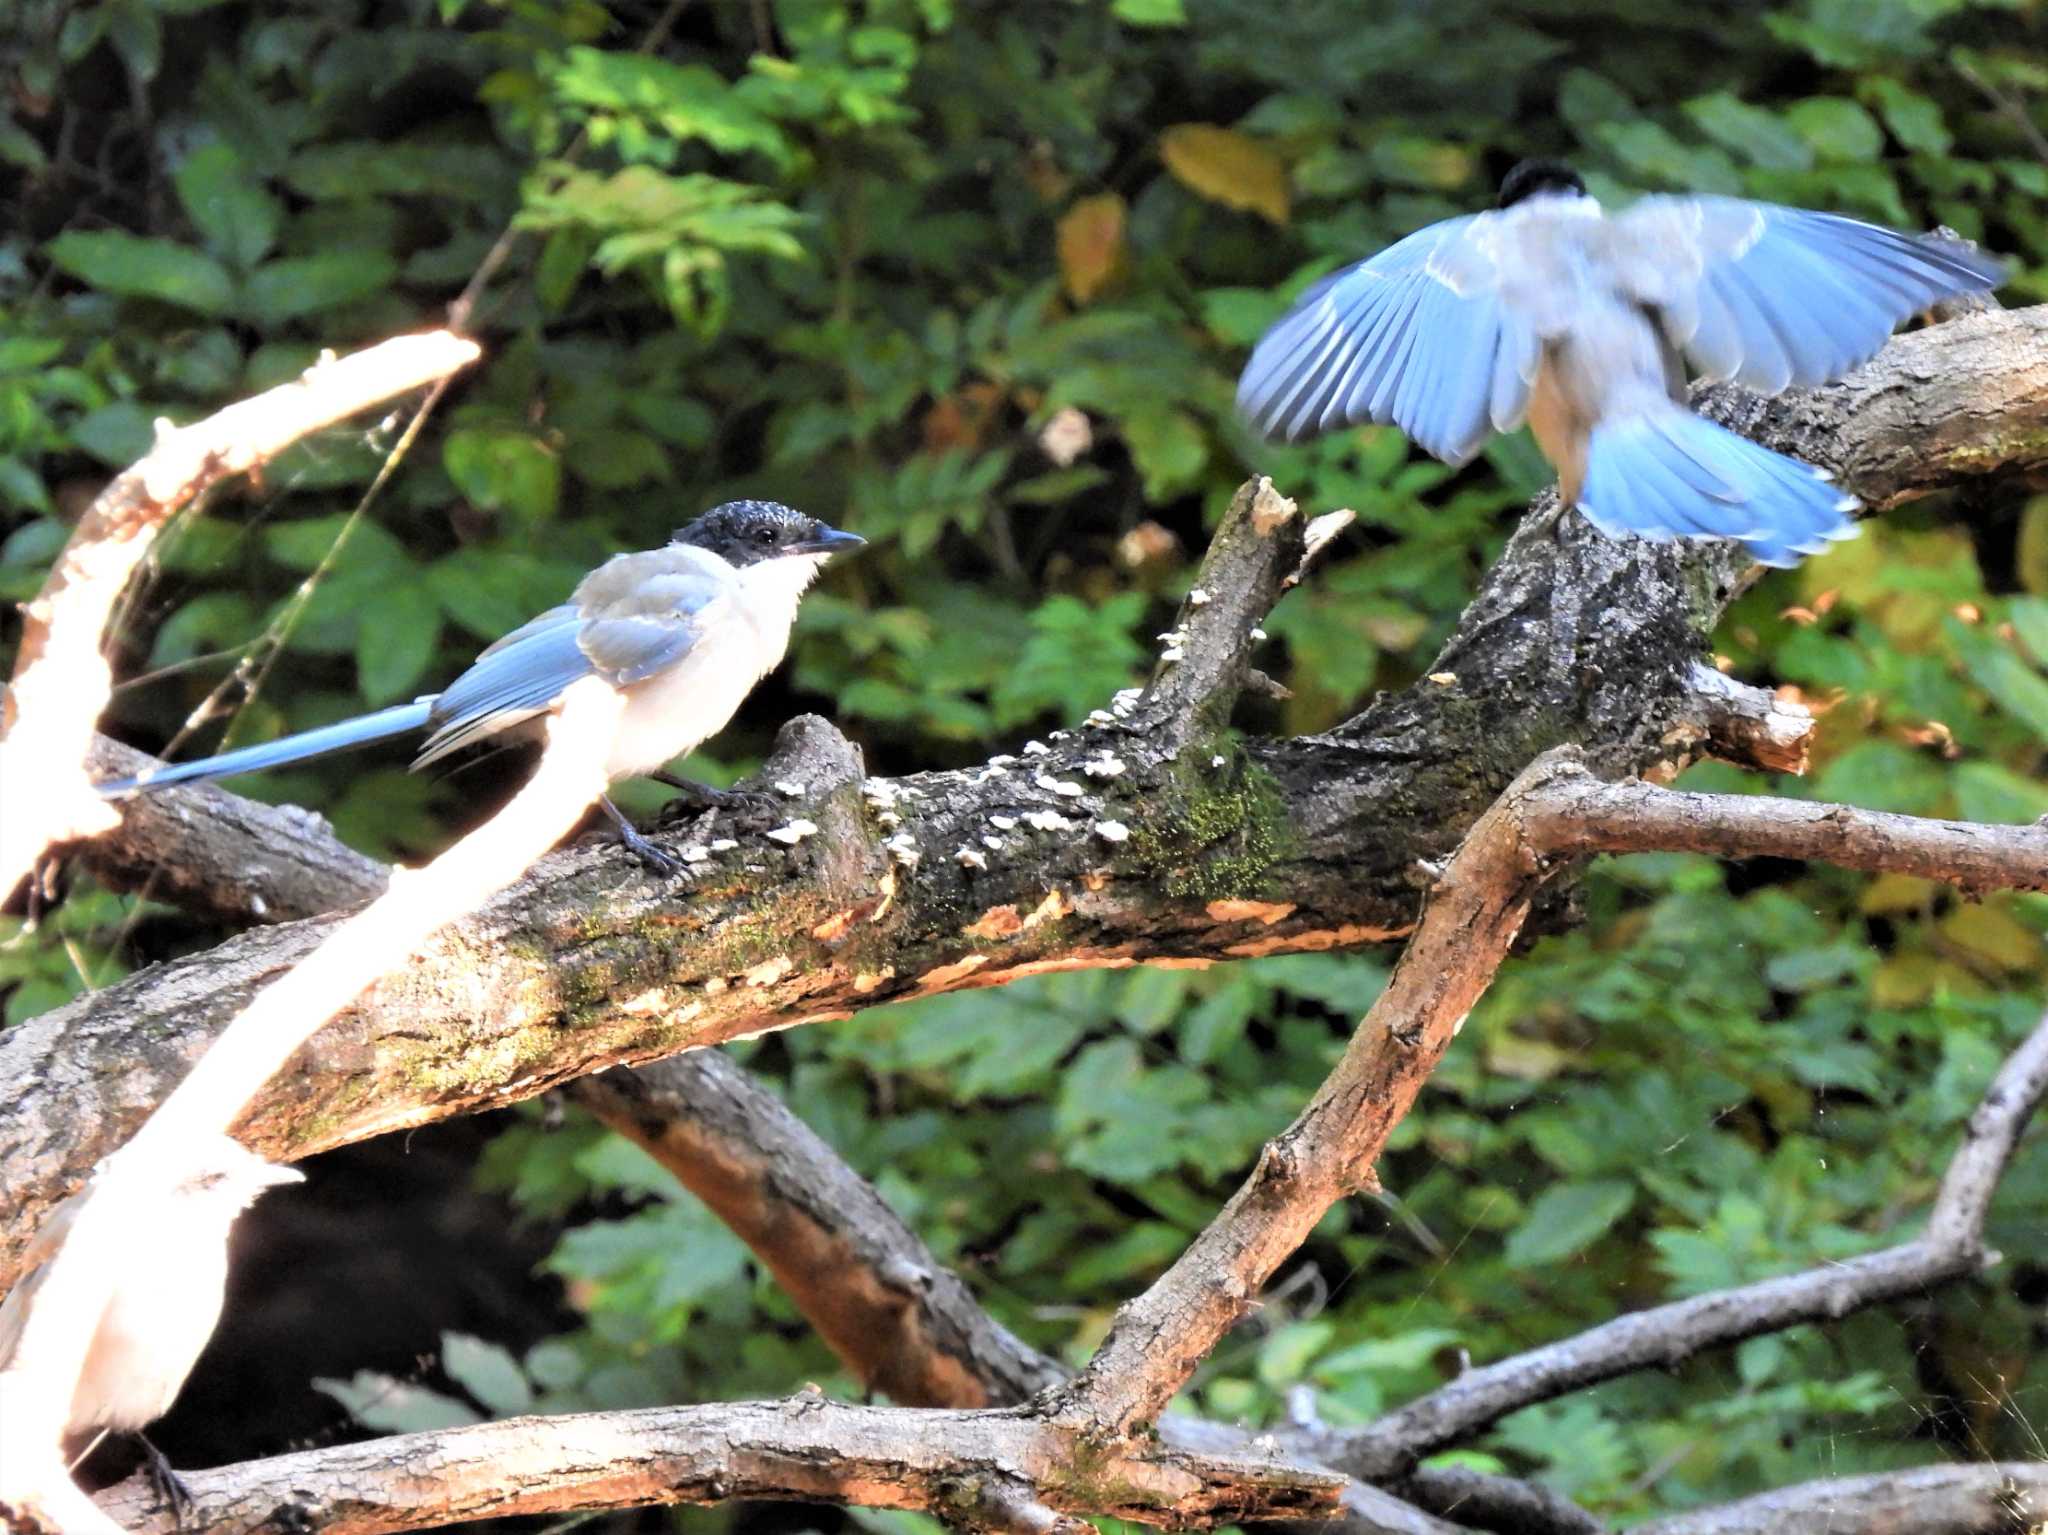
(170, 1487)
(702, 797)
(652, 858)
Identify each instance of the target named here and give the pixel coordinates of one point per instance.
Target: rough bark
(972, 1468)
(222, 856)
(1585, 815)
(1989, 1499)
(1312, 843)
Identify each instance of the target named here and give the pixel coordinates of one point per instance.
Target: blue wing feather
(1413, 335)
(1774, 296)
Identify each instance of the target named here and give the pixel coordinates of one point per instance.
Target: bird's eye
(764, 535)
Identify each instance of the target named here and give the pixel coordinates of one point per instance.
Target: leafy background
(975, 280)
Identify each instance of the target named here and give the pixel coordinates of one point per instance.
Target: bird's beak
(827, 540)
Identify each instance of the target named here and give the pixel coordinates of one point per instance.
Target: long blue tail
(364, 728)
(1671, 474)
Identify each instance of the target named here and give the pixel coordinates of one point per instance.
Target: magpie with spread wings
(1548, 310)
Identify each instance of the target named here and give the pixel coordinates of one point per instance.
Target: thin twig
(61, 680)
(1951, 1247)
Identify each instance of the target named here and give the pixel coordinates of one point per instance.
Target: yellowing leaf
(1091, 244)
(1991, 934)
(1227, 167)
(1527, 1060)
(1890, 894)
(2033, 549)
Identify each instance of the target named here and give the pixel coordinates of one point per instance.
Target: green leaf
(505, 471)
(235, 216)
(1882, 775)
(2029, 618)
(293, 286)
(21, 488)
(117, 435)
(1986, 792)
(611, 459)
(2020, 689)
(1837, 128)
(305, 543)
(685, 101)
(211, 621)
(1568, 1218)
(1915, 121)
(142, 268)
(1758, 136)
(384, 1402)
(487, 1372)
(137, 35)
(397, 642)
(1150, 13)
(492, 591)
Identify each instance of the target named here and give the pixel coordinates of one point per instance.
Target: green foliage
(863, 257)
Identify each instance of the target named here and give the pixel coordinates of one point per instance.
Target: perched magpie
(684, 631)
(1547, 309)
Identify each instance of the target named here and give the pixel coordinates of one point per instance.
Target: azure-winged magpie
(684, 631)
(1549, 310)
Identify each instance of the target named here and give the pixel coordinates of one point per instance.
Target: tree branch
(61, 681)
(958, 1465)
(1500, 1503)
(1980, 1499)
(1952, 1247)
(1578, 814)
(1472, 916)
(901, 1320)
(235, 860)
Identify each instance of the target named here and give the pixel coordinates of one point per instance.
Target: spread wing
(1772, 296)
(1421, 335)
(631, 618)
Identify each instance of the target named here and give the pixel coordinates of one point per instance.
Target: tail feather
(360, 731)
(1671, 474)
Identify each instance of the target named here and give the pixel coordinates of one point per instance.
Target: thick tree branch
(839, 1249)
(901, 1320)
(61, 681)
(1983, 1499)
(222, 856)
(958, 1465)
(1164, 853)
(1951, 1247)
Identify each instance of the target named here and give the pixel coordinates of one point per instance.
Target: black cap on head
(746, 532)
(1533, 176)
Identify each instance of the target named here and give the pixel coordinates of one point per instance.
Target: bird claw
(170, 1487)
(654, 860)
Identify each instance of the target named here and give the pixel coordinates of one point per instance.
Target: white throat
(771, 589)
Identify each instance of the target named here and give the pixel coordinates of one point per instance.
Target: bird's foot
(745, 804)
(655, 860)
(170, 1487)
